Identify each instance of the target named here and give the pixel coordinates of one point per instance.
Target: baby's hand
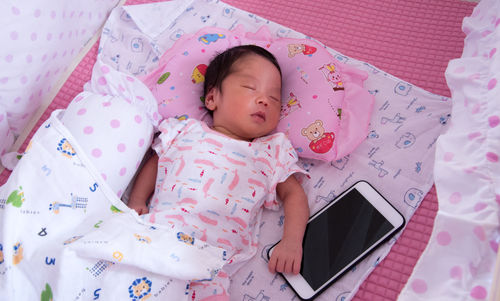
(140, 207)
(286, 258)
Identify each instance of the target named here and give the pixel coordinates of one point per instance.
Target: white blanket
(65, 235)
(397, 158)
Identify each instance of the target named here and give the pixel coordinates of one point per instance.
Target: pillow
(325, 109)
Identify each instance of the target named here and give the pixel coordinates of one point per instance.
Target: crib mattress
(411, 40)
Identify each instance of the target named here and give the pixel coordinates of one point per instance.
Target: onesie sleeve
(169, 129)
(286, 164)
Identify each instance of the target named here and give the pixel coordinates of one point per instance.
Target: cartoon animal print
(108, 32)
(340, 163)
(372, 135)
(372, 68)
(76, 203)
(228, 12)
(176, 34)
(142, 238)
(343, 296)
(294, 49)
(211, 38)
(198, 75)
(140, 289)
(341, 58)
(282, 32)
(330, 196)
(396, 119)
(292, 105)
(16, 198)
(204, 19)
(320, 142)
(402, 88)
(259, 297)
(136, 45)
(405, 141)
(18, 253)
(332, 76)
(413, 197)
(444, 119)
(65, 148)
(378, 166)
(188, 239)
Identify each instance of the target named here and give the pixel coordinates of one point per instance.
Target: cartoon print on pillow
(163, 78)
(321, 142)
(198, 75)
(210, 37)
(332, 76)
(294, 49)
(292, 105)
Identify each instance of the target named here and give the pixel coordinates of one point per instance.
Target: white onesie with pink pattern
(213, 188)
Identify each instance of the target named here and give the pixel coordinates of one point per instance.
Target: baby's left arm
(287, 255)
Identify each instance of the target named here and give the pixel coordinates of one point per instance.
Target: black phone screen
(339, 235)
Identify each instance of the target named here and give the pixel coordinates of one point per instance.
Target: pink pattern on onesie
(214, 188)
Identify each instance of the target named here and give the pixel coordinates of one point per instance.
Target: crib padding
(413, 41)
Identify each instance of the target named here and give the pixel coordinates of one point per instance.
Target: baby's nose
(263, 99)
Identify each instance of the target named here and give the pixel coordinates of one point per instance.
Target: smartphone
(340, 235)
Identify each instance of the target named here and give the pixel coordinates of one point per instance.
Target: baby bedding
(39, 42)
(63, 229)
(326, 109)
(406, 121)
(459, 261)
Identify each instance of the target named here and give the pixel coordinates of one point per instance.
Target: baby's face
(249, 103)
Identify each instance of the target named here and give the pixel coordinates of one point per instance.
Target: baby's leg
(215, 290)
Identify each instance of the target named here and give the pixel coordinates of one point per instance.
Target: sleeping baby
(212, 182)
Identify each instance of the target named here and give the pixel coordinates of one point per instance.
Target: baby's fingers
(280, 265)
(296, 265)
(272, 264)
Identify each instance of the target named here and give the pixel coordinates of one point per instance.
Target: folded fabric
(122, 239)
(114, 120)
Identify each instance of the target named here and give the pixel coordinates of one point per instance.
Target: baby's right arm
(144, 186)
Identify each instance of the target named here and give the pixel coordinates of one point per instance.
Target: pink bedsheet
(412, 40)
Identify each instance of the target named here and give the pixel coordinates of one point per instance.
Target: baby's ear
(210, 99)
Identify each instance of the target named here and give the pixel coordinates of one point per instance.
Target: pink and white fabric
(459, 261)
(325, 109)
(214, 188)
(39, 41)
(114, 119)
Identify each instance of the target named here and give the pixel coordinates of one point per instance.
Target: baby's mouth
(259, 116)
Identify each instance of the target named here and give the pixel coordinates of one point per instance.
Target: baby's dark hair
(220, 66)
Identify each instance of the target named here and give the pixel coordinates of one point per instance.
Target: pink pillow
(325, 109)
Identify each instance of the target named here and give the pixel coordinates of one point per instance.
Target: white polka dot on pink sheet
(112, 132)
